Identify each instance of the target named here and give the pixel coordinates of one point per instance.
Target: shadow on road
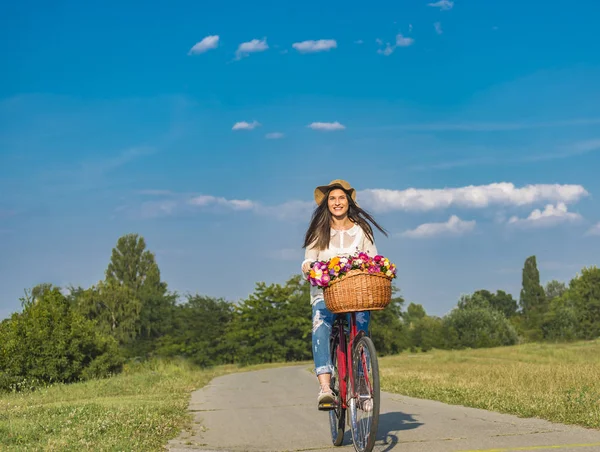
(389, 424)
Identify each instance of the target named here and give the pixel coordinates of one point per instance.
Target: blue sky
(470, 129)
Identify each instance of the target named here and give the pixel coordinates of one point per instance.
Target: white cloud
(153, 209)
(594, 230)
(243, 125)
(359, 41)
(327, 126)
(235, 204)
(473, 196)
(209, 42)
(389, 49)
(438, 28)
(289, 210)
(550, 216)
(246, 48)
(453, 227)
(498, 195)
(311, 46)
(442, 4)
(274, 135)
(402, 41)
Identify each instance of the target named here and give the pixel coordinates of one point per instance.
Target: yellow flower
(333, 262)
(337, 268)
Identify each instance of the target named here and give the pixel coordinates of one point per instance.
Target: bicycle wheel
(364, 402)
(337, 416)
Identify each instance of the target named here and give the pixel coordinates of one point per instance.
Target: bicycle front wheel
(364, 402)
(337, 416)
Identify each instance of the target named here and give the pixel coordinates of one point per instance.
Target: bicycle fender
(360, 334)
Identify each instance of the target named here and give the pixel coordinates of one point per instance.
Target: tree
(114, 307)
(131, 265)
(533, 299)
(561, 322)
(500, 301)
(199, 329)
(554, 289)
(479, 299)
(584, 293)
(50, 342)
(477, 328)
(426, 333)
(273, 323)
(134, 267)
(388, 331)
(505, 303)
(414, 312)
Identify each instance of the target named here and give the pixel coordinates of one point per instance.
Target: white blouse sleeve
(368, 246)
(310, 255)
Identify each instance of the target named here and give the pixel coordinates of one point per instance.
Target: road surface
(275, 410)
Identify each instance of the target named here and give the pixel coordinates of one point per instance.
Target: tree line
(74, 333)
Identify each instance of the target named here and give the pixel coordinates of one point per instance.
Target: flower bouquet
(354, 283)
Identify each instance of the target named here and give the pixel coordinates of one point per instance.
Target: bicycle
(353, 389)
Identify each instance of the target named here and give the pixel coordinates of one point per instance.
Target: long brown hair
(319, 229)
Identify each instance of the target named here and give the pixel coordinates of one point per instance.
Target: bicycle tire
(365, 444)
(337, 416)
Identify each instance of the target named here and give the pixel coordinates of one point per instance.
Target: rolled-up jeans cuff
(328, 369)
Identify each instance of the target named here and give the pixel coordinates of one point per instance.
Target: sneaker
(325, 396)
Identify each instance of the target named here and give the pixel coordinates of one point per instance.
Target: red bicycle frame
(344, 356)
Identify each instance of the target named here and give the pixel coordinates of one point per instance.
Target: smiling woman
(339, 227)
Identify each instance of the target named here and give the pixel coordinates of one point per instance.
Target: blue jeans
(322, 321)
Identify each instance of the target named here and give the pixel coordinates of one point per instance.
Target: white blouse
(342, 243)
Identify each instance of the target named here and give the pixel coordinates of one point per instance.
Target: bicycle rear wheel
(364, 402)
(337, 416)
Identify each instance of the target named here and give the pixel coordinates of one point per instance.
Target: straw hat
(321, 191)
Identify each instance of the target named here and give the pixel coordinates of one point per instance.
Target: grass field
(138, 410)
(146, 405)
(560, 383)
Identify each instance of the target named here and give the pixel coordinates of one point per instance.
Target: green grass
(560, 383)
(140, 409)
(146, 405)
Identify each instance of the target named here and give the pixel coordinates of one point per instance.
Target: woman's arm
(310, 256)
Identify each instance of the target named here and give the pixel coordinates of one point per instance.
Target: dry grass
(559, 383)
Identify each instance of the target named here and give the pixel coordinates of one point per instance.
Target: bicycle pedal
(326, 406)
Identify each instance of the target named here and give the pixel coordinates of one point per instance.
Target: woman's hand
(306, 267)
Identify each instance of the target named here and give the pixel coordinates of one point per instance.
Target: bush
(561, 322)
(478, 328)
(50, 342)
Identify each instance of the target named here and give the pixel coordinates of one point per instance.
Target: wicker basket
(358, 290)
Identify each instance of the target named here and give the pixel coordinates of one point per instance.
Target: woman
(338, 227)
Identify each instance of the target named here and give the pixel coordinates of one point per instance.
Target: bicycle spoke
(364, 406)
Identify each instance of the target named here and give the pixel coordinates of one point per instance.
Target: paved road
(275, 410)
